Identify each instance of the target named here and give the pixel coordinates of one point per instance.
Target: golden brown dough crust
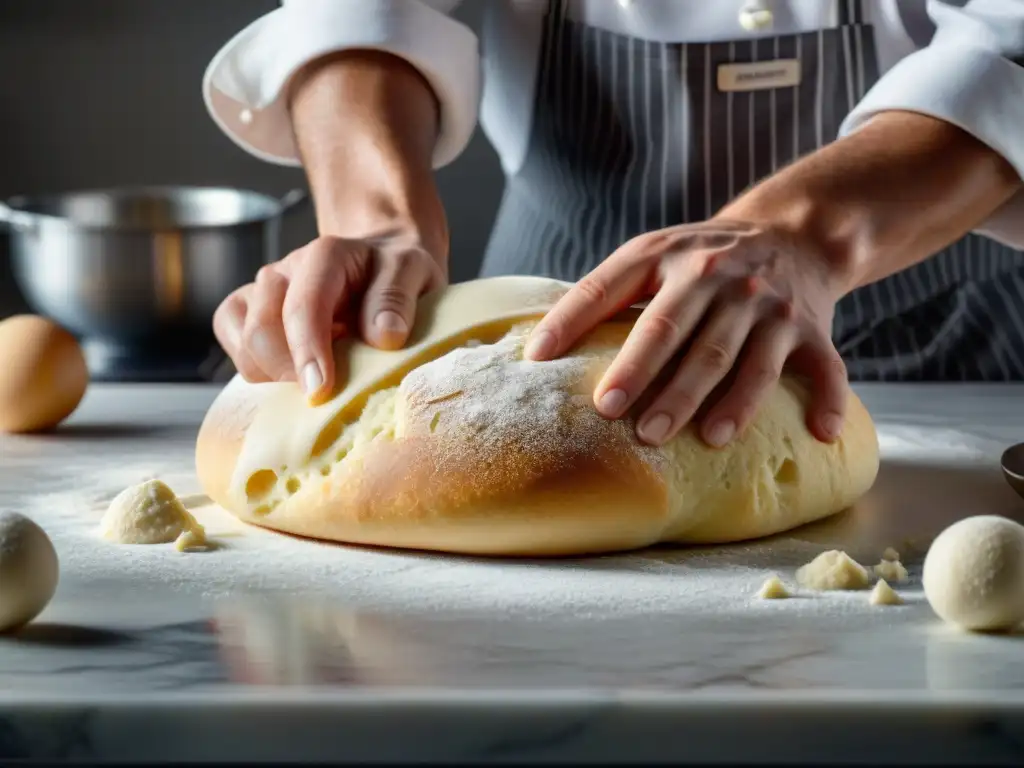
(423, 469)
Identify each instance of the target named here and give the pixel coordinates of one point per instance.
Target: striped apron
(630, 136)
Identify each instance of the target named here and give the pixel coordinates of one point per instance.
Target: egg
(44, 374)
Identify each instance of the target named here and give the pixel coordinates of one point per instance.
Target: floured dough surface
(460, 444)
(831, 571)
(151, 513)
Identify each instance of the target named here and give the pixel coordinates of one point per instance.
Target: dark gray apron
(631, 135)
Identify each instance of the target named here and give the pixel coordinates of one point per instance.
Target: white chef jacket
(971, 74)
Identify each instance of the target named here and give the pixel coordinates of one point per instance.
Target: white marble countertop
(277, 648)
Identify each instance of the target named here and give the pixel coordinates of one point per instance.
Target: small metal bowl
(1012, 463)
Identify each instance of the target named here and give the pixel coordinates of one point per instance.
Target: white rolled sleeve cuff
(971, 86)
(245, 86)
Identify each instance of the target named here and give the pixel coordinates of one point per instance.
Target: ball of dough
(148, 513)
(28, 570)
(974, 574)
(44, 377)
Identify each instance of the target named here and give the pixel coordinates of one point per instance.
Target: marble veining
(320, 653)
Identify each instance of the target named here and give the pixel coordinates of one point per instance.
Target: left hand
(750, 296)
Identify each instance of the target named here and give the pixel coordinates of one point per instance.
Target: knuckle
(392, 297)
(661, 330)
(593, 289)
(762, 375)
(266, 274)
(836, 366)
(713, 355)
(683, 402)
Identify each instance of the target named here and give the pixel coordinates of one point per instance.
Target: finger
(665, 324)
(228, 322)
(765, 354)
(823, 365)
(705, 364)
(319, 286)
(263, 333)
(389, 307)
(611, 287)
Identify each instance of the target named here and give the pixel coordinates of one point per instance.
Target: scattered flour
(250, 559)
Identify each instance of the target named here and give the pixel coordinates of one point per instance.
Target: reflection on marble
(126, 664)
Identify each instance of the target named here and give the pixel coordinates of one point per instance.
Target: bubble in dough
(832, 570)
(29, 570)
(974, 574)
(891, 569)
(45, 375)
(773, 589)
(883, 594)
(151, 513)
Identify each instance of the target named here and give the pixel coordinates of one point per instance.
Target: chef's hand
(281, 327)
(735, 294)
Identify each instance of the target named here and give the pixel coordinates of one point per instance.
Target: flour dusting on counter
(931, 476)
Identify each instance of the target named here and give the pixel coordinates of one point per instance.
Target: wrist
(834, 233)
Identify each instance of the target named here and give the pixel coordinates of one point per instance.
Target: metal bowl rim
(23, 203)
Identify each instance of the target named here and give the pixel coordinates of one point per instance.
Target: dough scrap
(974, 574)
(890, 554)
(773, 589)
(832, 571)
(891, 570)
(150, 513)
(29, 570)
(883, 594)
(473, 449)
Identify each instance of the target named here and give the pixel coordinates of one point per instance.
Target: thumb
(389, 307)
(318, 291)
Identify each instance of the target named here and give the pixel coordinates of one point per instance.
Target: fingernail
(612, 402)
(655, 428)
(832, 424)
(540, 346)
(390, 322)
(721, 432)
(312, 379)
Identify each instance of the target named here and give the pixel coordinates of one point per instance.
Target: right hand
(281, 326)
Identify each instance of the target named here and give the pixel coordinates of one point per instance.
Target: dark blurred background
(107, 92)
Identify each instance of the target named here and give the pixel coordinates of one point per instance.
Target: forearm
(885, 197)
(366, 124)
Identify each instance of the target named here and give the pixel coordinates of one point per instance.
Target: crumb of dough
(148, 513)
(890, 554)
(891, 570)
(883, 594)
(193, 538)
(831, 571)
(773, 589)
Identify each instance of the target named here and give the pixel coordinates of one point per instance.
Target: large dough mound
(459, 444)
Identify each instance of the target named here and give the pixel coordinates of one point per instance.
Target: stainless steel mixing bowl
(132, 264)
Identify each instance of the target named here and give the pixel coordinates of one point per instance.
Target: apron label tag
(759, 75)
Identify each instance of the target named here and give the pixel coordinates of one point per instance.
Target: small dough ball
(773, 589)
(883, 594)
(974, 574)
(832, 570)
(45, 376)
(149, 513)
(891, 570)
(28, 570)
